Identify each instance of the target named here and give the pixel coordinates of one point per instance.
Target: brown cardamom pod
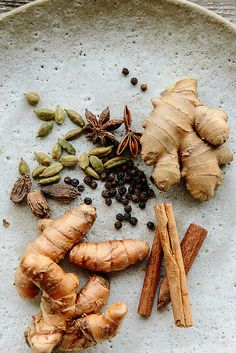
(21, 189)
(60, 192)
(38, 204)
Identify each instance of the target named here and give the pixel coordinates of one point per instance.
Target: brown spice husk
(174, 265)
(38, 204)
(5, 223)
(190, 246)
(152, 276)
(21, 189)
(60, 192)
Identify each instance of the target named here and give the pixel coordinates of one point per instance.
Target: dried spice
(5, 223)
(44, 114)
(99, 129)
(97, 164)
(75, 117)
(23, 167)
(131, 138)
(114, 162)
(21, 189)
(83, 160)
(45, 129)
(67, 146)
(38, 204)
(52, 170)
(90, 171)
(56, 151)
(101, 151)
(69, 161)
(144, 87)
(59, 115)
(73, 134)
(32, 98)
(43, 158)
(50, 180)
(38, 170)
(61, 192)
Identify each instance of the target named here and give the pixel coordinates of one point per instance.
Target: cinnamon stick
(190, 246)
(152, 276)
(174, 265)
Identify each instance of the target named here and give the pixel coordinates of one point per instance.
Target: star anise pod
(99, 129)
(131, 139)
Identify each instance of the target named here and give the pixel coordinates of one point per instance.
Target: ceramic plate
(72, 53)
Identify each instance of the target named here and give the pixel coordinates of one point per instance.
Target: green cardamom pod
(59, 115)
(50, 180)
(111, 163)
(23, 167)
(56, 151)
(83, 160)
(73, 134)
(67, 146)
(45, 129)
(90, 171)
(38, 170)
(75, 117)
(97, 164)
(112, 160)
(44, 114)
(52, 170)
(43, 158)
(101, 151)
(32, 98)
(69, 161)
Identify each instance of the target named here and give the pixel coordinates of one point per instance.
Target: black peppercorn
(150, 192)
(127, 216)
(128, 208)
(144, 87)
(120, 175)
(133, 221)
(131, 189)
(88, 201)
(105, 194)
(135, 198)
(118, 224)
(127, 178)
(112, 192)
(134, 81)
(150, 225)
(93, 185)
(122, 190)
(108, 185)
(142, 205)
(108, 201)
(67, 180)
(114, 183)
(125, 71)
(124, 201)
(74, 182)
(118, 198)
(81, 187)
(87, 180)
(143, 196)
(123, 167)
(119, 217)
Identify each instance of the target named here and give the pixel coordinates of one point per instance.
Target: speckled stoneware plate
(72, 53)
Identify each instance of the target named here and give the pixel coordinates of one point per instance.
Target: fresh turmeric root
(59, 302)
(94, 328)
(109, 256)
(182, 138)
(57, 238)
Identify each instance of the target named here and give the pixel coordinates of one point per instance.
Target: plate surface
(72, 53)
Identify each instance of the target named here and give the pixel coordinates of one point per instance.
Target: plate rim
(181, 3)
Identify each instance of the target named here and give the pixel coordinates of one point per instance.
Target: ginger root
(182, 138)
(94, 328)
(109, 256)
(57, 238)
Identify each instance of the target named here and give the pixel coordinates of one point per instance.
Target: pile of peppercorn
(126, 183)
